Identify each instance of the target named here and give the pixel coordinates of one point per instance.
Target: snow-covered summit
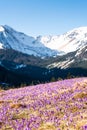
(79, 30)
(68, 42)
(11, 39)
(43, 45)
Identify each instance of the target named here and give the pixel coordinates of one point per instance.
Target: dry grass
(81, 95)
(47, 126)
(16, 106)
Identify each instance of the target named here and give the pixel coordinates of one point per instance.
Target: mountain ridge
(11, 39)
(43, 46)
(18, 65)
(68, 42)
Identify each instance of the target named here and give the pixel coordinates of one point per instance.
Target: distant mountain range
(25, 59)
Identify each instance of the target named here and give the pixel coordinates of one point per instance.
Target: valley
(26, 60)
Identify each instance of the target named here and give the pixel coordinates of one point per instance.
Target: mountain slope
(71, 60)
(60, 105)
(21, 56)
(43, 46)
(11, 39)
(18, 68)
(68, 42)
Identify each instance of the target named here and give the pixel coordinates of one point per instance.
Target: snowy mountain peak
(1, 28)
(68, 42)
(80, 29)
(11, 39)
(8, 28)
(43, 45)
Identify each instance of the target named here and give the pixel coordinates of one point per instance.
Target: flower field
(59, 105)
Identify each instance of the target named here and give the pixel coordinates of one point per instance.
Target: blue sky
(43, 17)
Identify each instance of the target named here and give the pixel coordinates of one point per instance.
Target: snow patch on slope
(20, 66)
(62, 64)
(1, 29)
(1, 46)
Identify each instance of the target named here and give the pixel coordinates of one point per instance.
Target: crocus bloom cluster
(59, 105)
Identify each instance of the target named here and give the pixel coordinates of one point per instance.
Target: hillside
(43, 46)
(26, 60)
(60, 105)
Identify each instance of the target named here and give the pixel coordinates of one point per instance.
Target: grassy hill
(59, 105)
